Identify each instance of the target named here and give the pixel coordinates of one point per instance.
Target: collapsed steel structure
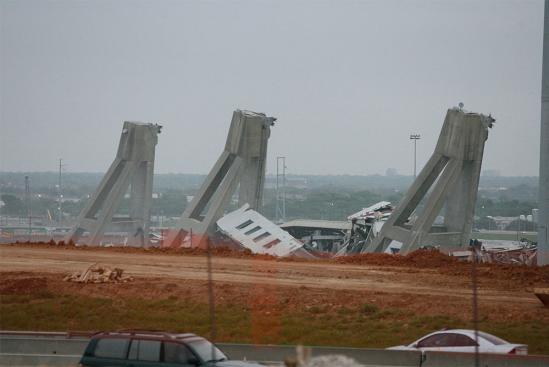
(452, 173)
(365, 227)
(132, 168)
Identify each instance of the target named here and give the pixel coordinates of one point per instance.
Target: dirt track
(317, 275)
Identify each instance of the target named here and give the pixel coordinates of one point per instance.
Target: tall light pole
(415, 138)
(60, 193)
(280, 214)
(543, 221)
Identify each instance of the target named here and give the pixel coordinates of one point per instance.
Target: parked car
(151, 349)
(460, 340)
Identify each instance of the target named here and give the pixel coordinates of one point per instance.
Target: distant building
(535, 215)
(503, 222)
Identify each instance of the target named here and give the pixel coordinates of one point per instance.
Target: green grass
(364, 326)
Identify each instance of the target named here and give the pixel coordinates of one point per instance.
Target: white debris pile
(522, 256)
(365, 227)
(381, 210)
(98, 274)
(503, 252)
(333, 361)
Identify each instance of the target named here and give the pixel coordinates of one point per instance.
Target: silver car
(462, 340)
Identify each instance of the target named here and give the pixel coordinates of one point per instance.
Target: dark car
(152, 348)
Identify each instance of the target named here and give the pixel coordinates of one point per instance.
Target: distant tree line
(315, 197)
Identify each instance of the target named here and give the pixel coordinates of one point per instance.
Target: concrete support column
(241, 162)
(132, 168)
(452, 173)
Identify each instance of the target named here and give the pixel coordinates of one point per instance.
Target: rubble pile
(98, 274)
(526, 256)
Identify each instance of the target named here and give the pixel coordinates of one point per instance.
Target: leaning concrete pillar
(452, 173)
(242, 162)
(132, 168)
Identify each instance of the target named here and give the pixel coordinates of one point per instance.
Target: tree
(486, 223)
(12, 205)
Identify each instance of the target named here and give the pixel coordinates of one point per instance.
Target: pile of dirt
(418, 259)
(216, 250)
(520, 273)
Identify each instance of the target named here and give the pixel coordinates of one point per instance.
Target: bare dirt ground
(420, 285)
(447, 282)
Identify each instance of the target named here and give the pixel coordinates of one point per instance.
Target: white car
(460, 340)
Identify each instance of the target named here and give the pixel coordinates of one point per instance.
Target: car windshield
(492, 339)
(206, 350)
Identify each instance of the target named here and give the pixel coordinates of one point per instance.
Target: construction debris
(304, 238)
(253, 231)
(98, 274)
(525, 256)
(383, 209)
(319, 235)
(503, 252)
(365, 226)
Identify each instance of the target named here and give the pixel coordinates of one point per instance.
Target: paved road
(56, 349)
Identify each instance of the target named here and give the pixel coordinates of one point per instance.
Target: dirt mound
(430, 258)
(520, 273)
(28, 285)
(216, 250)
(419, 258)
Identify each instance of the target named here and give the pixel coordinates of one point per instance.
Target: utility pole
(280, 215)
(28, 203)
(415, 138)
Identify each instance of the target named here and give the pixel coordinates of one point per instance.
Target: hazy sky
(347, 80)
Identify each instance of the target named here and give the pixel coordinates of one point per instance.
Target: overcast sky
(347, 80)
